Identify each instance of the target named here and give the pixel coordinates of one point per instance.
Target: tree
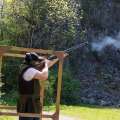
(45, 24)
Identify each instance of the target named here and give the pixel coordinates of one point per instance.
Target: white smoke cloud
(106, 41)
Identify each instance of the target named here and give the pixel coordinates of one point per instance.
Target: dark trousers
(28, 105)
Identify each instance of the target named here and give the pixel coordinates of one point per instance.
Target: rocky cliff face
(99, 77)
(99, 71)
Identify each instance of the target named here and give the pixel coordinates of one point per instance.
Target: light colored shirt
(30, 73)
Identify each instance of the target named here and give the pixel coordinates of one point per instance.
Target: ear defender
(28, 57)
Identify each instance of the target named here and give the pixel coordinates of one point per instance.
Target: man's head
(33, 58)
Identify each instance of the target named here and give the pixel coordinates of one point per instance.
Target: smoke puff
(106, 41)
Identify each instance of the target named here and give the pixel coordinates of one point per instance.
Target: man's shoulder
(30, 73)
(31, 69)
(23, 68)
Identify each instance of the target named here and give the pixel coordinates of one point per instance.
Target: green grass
(85, 112)
(8, 118)
(91, 112)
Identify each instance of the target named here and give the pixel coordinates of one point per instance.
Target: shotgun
(51, 57)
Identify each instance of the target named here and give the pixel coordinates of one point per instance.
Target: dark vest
(28, 87)
(29, 94)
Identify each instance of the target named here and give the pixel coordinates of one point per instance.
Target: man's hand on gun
(43, 64)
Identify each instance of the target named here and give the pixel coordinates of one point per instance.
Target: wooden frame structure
(20, 52)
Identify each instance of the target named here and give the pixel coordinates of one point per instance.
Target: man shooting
(29, 87)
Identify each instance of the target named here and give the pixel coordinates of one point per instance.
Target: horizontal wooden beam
(26, 114)
(8, 107)
(24, 50)
(13, 51)
(4, 107)
(13, 55)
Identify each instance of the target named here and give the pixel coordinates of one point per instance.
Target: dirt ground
(62, 117)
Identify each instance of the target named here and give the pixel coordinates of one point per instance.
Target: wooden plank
(1, 73)
(25, 114)
(28, 115)
(0, 65)
(42, 88)
(22, 56)
(3, 50)
(14, 55)
(24, 50)
(59, 84)
(8, 107)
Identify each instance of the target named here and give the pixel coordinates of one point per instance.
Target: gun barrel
(68, 50)
(51, 57)
(75, 47)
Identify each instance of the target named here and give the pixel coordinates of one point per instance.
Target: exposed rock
(99, 72)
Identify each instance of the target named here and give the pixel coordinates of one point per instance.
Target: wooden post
(0, 72)
(0, 64)
(42, 86)
(59, 84)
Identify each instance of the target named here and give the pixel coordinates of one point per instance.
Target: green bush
(70, 88)
(10, 70)
(7, 42)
